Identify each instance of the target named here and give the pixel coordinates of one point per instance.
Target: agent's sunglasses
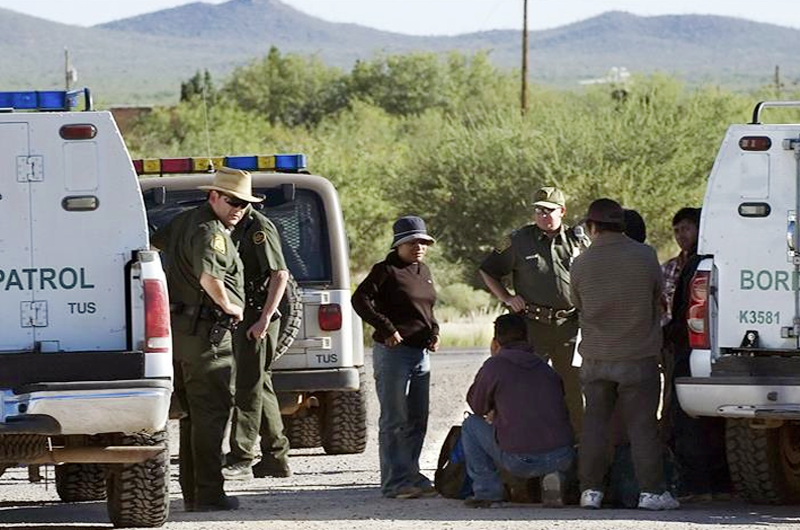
(233, 202)
(543, 211)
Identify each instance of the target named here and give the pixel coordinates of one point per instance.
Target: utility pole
(778, 81)
(524, 97)
(70, 74)
(66, 69)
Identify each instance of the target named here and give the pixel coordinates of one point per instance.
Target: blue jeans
(402, 381)
(483, 457)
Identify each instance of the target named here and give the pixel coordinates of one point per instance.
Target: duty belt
(547, 315)
(179, 308)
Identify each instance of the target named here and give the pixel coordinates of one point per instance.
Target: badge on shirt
(259, 237)
(218, 244)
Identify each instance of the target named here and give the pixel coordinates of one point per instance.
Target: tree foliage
(444, 138)
(199, 85)
(287, 89)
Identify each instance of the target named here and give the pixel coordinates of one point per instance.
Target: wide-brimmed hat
(550, 197)
(234, 182)
(409, 228)
(606, 211)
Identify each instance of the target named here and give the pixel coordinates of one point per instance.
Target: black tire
(344, 428)
(138, 494)
(764, 463)
(291, 308)
(303, 428)
(21, 447)
(81, 482)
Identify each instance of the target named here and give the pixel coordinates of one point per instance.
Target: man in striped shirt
(616, 288)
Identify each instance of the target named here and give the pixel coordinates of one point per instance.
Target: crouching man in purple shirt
(521, 423)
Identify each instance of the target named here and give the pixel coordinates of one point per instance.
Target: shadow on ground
(336, 503)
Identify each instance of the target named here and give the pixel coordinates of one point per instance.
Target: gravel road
(341, 492)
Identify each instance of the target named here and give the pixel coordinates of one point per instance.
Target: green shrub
(463, 299)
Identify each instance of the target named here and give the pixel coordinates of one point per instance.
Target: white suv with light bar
(85, 348)
(744, 309)
(319, 370)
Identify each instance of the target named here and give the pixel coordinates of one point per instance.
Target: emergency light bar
(48, 100)
(162, 166)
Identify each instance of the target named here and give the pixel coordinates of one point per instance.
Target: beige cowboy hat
(234, 182)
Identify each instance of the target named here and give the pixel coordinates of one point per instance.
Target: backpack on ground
(451, 479)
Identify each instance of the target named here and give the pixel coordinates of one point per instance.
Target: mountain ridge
(143, 59)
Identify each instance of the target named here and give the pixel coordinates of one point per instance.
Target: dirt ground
(341, 492)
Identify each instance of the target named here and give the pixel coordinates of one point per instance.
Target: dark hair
(634, 226)
(510, 328)
(687, 214)
(606, 227)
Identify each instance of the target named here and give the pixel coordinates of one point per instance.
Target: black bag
(451, 479)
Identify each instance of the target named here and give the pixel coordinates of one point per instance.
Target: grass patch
(470, 331)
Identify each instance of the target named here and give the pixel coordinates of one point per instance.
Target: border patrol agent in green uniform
(538, 257)
(206, 288)
(256, 408)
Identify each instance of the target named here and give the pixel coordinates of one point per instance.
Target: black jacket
(398, 296)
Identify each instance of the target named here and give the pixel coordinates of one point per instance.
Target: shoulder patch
(259, 237)
(218, 244)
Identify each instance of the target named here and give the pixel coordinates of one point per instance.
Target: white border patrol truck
(85, 348)
(318, 369)
(744, 308)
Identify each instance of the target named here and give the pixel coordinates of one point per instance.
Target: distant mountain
(143, 59)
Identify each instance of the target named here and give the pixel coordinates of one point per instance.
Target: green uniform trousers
(557, 343)
(256, 409)
(204, 391)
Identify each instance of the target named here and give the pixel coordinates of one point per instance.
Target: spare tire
(291, 308)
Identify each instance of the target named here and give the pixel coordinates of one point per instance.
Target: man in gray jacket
(520, 423)
(616, 287)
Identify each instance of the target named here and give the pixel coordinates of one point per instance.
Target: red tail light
(78, 131)
(697, 315)
(330, 317)
(156, 317)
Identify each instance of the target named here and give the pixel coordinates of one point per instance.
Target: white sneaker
(592, 499)
(654, 501)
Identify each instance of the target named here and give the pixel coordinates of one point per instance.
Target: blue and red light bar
(291, 163)
(47, 100)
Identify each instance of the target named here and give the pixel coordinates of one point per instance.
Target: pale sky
(432, 17)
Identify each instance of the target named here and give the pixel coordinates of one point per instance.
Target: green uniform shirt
(259, 247)
(539, 265)
(195, 242)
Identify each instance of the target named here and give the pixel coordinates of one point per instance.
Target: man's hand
(489, 417)
(434, 345)
(235, 311)
(215, 289)
(516, 303)
(394, 340)
(258, 330)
